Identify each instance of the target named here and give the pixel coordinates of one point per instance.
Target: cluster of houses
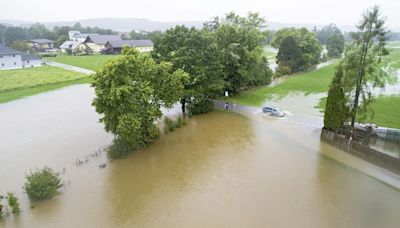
(78, 44)
(83, 44)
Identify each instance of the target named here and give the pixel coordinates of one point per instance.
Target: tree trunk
(183, 104)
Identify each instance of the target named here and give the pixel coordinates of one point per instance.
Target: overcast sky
(341, 12)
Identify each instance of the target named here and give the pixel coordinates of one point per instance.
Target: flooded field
(221, 170)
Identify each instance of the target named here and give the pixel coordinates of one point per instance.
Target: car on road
(273, 111)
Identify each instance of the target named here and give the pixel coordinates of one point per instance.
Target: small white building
(74, 48)
(13, 59)
(10, 58)
(29, 60)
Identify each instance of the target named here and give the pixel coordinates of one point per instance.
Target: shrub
(13, 203)
(200, 106)
(171, 125)
(42, 184)
(283, 70)
(119, 148)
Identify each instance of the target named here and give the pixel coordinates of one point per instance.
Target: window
(13, 56)
(28, 61)
(15, 63)
(2, 64)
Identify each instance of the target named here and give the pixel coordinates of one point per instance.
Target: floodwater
(220, 170)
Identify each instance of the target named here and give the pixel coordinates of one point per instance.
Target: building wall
(32, 63)
(95, 48)
(145, 49)
(8, 62)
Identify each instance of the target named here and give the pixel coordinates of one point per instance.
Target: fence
(358, 148)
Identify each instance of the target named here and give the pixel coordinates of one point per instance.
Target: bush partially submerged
(200, 106)
(171, 125)
(42, 184)
(13, 203)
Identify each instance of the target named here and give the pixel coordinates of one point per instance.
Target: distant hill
(129, 24)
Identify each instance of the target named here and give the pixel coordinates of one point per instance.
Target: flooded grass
(316, 81)
(16, 84)
(25, 92)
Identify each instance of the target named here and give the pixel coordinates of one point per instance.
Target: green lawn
(316, 81)
(387, 109)
(16, 84)
(91, 62)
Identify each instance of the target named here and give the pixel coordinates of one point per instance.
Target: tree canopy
(130, 91)
(310, 49)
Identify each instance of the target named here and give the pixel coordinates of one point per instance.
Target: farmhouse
(13, 59)
(74, 48)
(41, 45)
(97, 42)
(115, 47)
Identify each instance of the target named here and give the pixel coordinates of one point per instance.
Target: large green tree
(327, 31)
(335, 45)
(240, 43)
(195, 52)
(364, 66)
(130, 91)
(289, 55)
(309, 47)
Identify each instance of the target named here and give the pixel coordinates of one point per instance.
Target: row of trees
(188, 65)
(9, 34)
(362, 69)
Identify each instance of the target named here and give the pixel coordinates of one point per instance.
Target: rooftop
(5, 50)
(102, 39)
(131, 43)
(41, 41)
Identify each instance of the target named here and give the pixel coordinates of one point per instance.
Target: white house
(10, 58)
(13, 59)
(75, 48)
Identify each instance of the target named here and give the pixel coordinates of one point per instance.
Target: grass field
(16, 84)
(387, 109)
(316, 81)
(91, 62)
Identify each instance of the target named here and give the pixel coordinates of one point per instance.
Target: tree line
(188, 65)
(10, 34)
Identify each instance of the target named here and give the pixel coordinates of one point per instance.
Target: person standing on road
(226, 105)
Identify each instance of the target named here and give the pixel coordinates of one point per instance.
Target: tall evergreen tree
(336, 111)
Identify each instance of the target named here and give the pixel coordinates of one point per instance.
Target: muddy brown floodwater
(220, 170)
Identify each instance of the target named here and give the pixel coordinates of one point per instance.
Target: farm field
(90, 62)
(15, 84)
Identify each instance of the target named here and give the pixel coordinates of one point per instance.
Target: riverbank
(17, 84)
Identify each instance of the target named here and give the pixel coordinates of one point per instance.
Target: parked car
(273, 111)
